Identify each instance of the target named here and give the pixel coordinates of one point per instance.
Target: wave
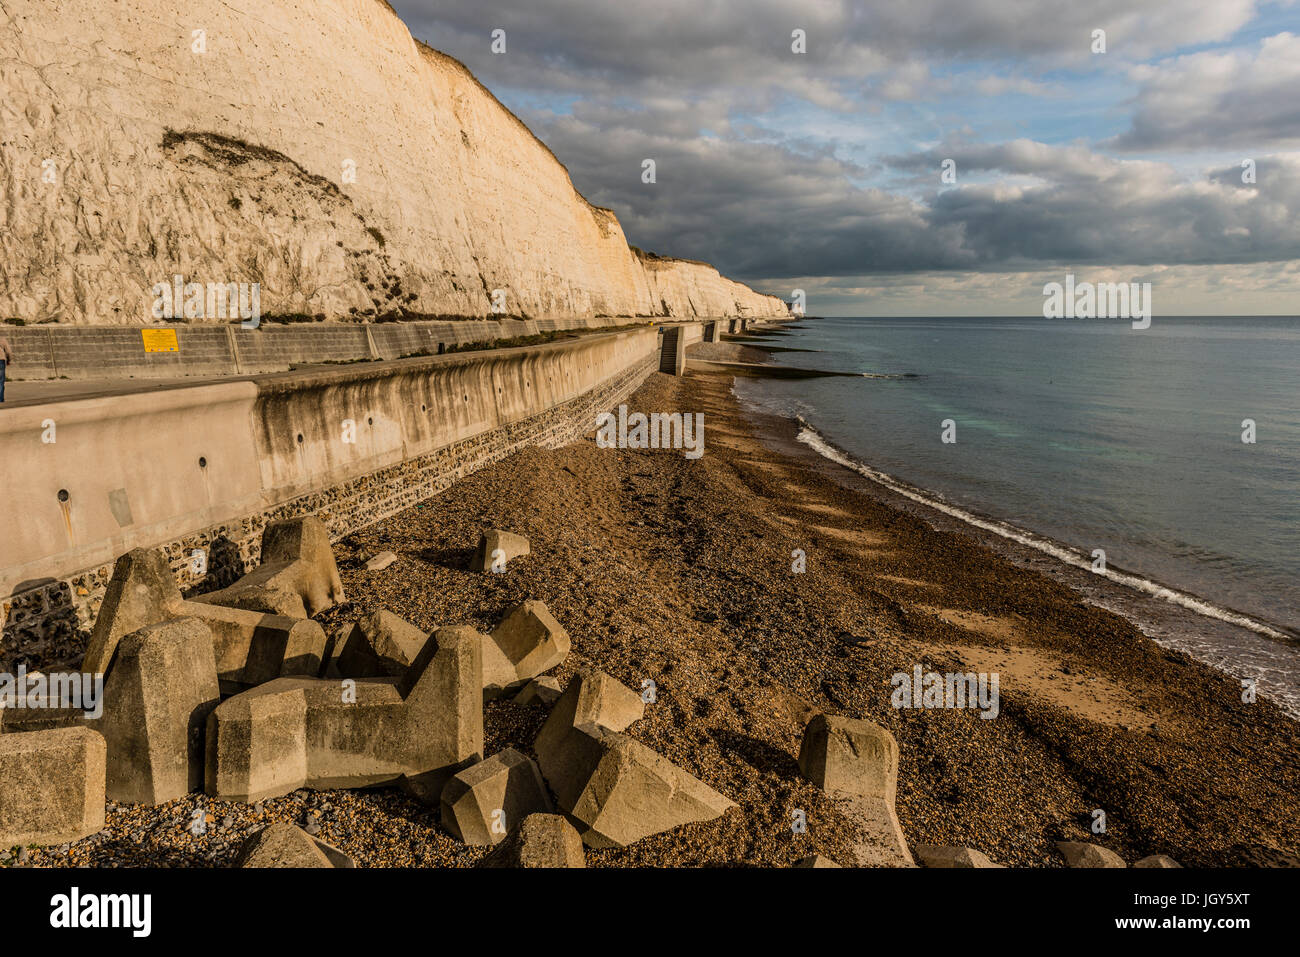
(809, 436)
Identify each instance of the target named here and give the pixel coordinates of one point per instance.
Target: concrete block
(51, 786)
(511, 546)
(1082, 854)
(542, 692)
(380, 645)
(858, 760)
(141, 592)
(297, 577)
(935, 855)
(418, 730)
(619, 791)
(283, 845)
(592, 697)
(157, 699)
(253, 647)
(249, 646)
(541, 840)
(483, 803)
(527, 642)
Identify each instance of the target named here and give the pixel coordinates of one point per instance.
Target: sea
(1166, 458)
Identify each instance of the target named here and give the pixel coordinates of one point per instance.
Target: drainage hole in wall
(300, 438)
(63, 495)
(203, 462)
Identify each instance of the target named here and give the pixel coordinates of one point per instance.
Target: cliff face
(312, 147)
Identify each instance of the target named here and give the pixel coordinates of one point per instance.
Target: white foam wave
(815, 440)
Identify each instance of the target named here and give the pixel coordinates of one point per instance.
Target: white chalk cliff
(128, 157)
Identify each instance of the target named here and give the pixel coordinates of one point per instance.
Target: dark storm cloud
(649, 80)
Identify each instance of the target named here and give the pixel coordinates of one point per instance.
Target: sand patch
(1038, 674)
(821, 509)
(910, 582)
(1000, 629)
(853, 536)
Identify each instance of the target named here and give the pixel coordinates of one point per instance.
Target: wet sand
(678, 571)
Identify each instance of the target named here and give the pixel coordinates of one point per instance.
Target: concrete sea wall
(205, 467)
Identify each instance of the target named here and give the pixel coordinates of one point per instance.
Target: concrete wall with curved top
(186, 467)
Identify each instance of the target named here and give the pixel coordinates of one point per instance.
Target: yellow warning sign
(160, 340)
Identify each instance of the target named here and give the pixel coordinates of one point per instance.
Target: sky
(1173, 157)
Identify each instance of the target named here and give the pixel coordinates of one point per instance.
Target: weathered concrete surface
(527, 642)
(494, 545)
(1082, 854)
(380, 644)
(619, 791)
(418, 191)
(858, 761)
(283, 845)
(142, 592)
(297, 577)
(296, 732)
(540, 692)
(541, 840)
(249, 647)
(51, 786)
(615, 788)
(157, 699)
(592, 697)
(935, 855)
(483, 803)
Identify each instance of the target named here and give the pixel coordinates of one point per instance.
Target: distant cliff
(313, 148)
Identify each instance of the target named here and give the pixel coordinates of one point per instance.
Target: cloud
(1230, 100)
(768, 162)
(684, 45)
(768, 210)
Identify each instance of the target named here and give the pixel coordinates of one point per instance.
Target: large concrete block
(283, 845)
(619, 791)
(592, 697)
(141, 592)
(483, 803)
(294, 732)
(540, 692)
(509, 545)
(297, 577)
(51, 786)
(249, 647)
(541, 840)
(1082, 854)
(157, 699)
(858, 760)
(527, 642)
(380, 645)
(936, 855)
